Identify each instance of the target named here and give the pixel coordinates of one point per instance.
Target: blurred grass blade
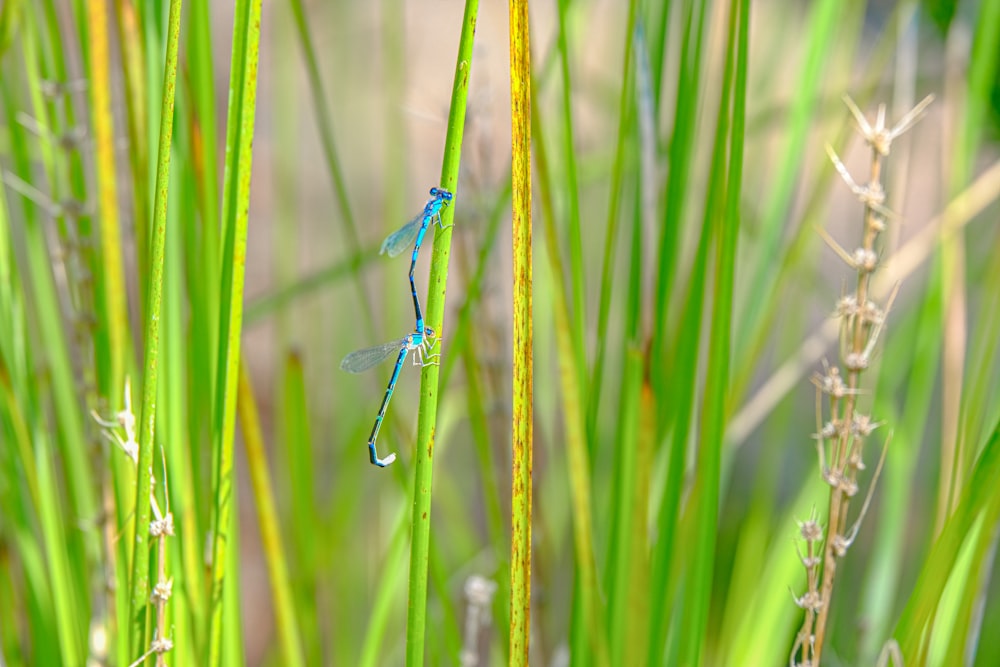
(323, 122)
(589, 641)
(611, 233)
(681, 154)
(386, 593)
(979, 494)
(627, 538)
(825, 25)
(45, 303)
(578, 283)
(723, 213)
(267, 519)
(299, 451)
(112, 298)
(137, 119)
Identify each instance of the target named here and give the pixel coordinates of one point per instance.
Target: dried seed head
(856, 361)
(831, 382)
(877, 220)
(811, 601)
(162, 591)
(862, 424)
(840, 545)
(872, 314)
(811, 530)
(879, 137)
(864, 260)
(829, 431)
(848, 486)
(161, 645)
(847, 306)
(164, 526)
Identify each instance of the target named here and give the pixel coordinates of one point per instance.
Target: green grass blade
(386, 594)
(611, 234)
(299, 449)
(139, 590)
(628, 513)
(958, 455)
(979, 493)
(204, 249)
(70, 627)
(235, 213)
(112, 298)
(577, 284)
(323, 115)
(682, 144)
(588, 639)
(825, 24)
(416, 622)
(44, 298)
(727, 179)
(137, 121)
(57, 386)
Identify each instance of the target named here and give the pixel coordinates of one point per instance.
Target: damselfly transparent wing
(401, 239)
(361, 360)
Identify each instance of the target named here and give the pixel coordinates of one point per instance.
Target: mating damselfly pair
(422, 340)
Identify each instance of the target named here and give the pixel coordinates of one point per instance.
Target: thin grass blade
(236, 203)
(416, 622)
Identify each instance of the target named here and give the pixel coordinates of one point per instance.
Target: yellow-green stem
(520, 548)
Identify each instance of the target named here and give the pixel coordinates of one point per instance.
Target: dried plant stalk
(841, 437)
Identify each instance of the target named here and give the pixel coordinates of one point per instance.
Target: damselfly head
(441, 194)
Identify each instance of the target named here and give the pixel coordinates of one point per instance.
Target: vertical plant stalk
(235, 215)
(139, 597)
(520, 545)
(416, 618)
(847, 428)
(112, 273)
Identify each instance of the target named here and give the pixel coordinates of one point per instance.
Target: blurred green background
(682, 301)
